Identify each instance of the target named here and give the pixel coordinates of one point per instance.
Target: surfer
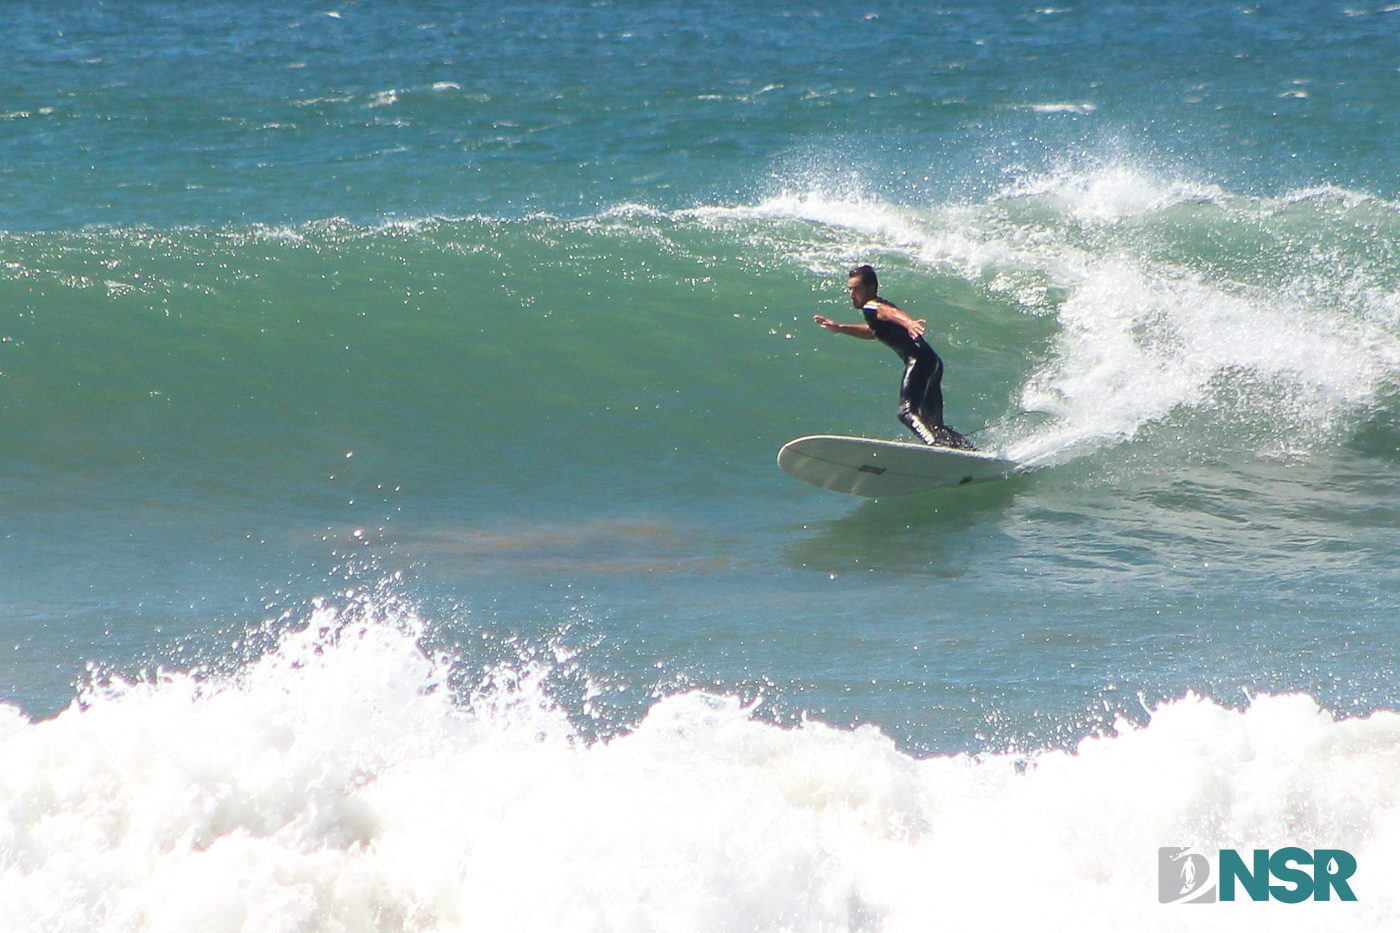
(921, 392)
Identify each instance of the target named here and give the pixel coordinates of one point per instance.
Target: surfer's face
(859, 291)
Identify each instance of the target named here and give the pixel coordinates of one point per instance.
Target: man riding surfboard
(920, 392)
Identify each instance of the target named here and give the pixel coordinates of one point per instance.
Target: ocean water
(390, 533)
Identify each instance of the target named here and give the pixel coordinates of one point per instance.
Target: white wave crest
(1171, 295)
(335, 785)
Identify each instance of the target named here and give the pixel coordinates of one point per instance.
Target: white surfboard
(875, 469)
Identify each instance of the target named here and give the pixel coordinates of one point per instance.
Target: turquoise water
(390, 397)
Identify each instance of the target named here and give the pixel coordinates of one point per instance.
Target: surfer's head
(862, 284)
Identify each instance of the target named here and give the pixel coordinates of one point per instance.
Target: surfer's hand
(915, 328)
(825, 322)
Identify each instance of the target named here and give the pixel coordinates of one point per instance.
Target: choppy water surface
(389, 400)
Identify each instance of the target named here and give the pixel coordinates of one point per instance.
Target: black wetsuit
(921, 391)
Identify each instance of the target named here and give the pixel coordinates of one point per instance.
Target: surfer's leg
(914, 423)
(914, 405)
(921, 404)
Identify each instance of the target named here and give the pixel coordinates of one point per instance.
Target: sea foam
(1276, 315)
(338, 783)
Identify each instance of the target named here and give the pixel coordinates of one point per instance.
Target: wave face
(338, 782)
(1105, 303)
(508, 409)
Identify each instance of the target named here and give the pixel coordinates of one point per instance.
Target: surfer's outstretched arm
(850, 330)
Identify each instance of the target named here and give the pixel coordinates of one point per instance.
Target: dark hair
(866, 274)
